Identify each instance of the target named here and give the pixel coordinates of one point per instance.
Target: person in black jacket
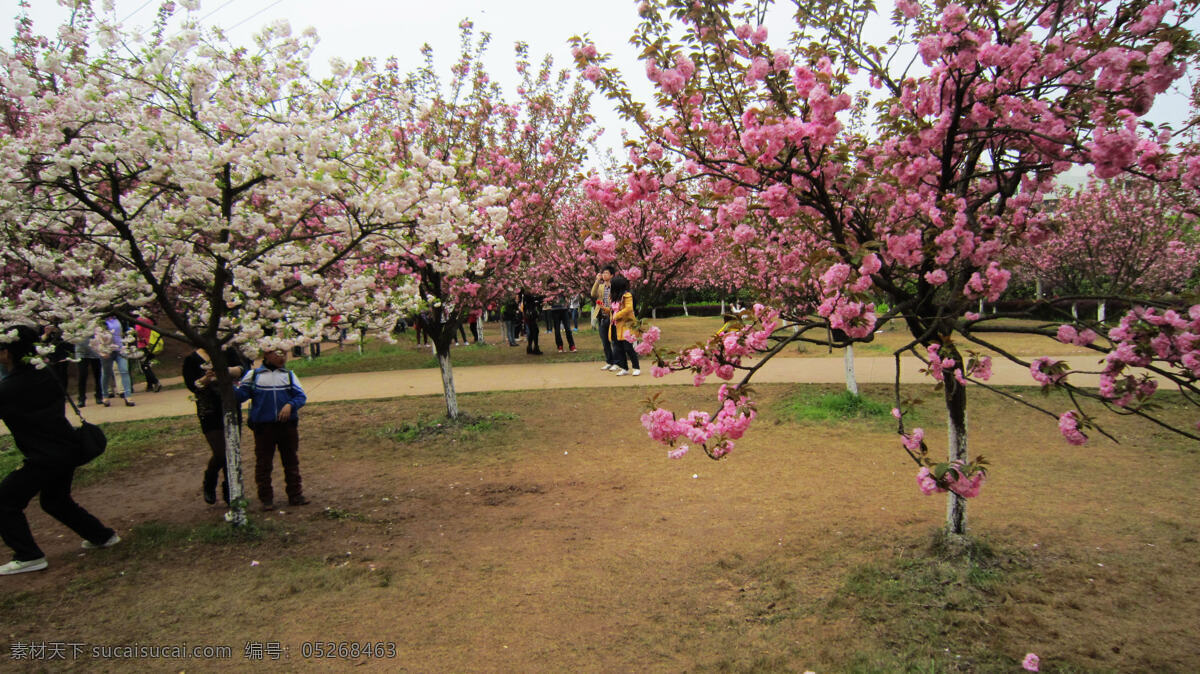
(201, 380)
(531, 308)
(31, 404)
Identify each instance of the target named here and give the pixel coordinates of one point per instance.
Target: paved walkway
(525, 376)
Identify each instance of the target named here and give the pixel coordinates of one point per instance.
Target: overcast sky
(352, 28)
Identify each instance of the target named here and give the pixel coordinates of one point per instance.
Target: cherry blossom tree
(207, 181)
(656, 242)
(1124, 238)
(524, 153)
(910, 189)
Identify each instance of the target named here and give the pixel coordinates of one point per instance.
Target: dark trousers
(623, 353)
(82, 370)
(561, 318)
(285, 436)
(531, 328)
(603, 323)
(216, 462)
(54, 485)
(59, 369)
(148, 372)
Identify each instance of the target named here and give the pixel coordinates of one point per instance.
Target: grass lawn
(677, 333)
(550, 534)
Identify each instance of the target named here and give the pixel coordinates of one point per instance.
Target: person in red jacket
(148, 341)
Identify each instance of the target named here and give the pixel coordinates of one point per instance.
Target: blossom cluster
(714, 433)
(1145, 336)
(962, 479)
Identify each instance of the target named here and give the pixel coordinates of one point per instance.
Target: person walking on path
(116, 356)
(560, 317)
(473, 322)
(88, 361)
(624, 330)
(275, 397)
(531, 308)
(32, 406)
(573, 306)
(200, 378)
(150, 343)
(602, 297)
(511, 317)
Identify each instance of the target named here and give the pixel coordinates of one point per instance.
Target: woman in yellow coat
(624, 327)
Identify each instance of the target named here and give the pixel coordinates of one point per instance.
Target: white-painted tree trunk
(1101, 311)
(233, 468)
(851, 381)
(685, 311)
(981, 306)
(956, 426)
(1075, 311)
(722, 307)
(448, 385)
(654, 313)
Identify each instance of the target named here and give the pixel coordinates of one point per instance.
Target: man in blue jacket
(275, 399)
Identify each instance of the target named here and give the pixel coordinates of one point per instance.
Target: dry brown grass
(564, 540)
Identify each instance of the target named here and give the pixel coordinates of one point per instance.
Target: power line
(253, 15)
(203, 18)
(131, 14)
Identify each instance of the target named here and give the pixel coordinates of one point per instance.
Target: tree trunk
(956, 421)
(851, 382)
(443, 357)
(685, 311)
(1074, 311)
(980, 306)
(233, 437)
(654, 313)
(722, 307)
(1101, 311)
(362, 337)
(1038, 292)
(233, 469)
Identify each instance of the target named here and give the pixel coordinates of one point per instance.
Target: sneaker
(607, 367)
(112, 540)
(128, 402)
(298, 501)
(268, 506)
(210, 492)
(621, 373)
(560, 349)
(23, 567)
(636, 372)
(572, 349)
(158, 388)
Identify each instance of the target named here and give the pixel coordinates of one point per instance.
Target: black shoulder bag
(89, 437)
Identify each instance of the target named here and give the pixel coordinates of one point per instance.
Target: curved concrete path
(525, 376)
